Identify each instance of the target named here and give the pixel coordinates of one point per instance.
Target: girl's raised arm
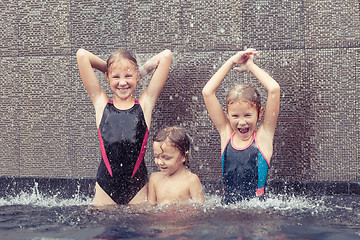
(213, 105)
(161, 62)
(266, 130)
(273, 89)
(273, 98)
(86, 62)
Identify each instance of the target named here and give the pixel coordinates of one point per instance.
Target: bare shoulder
(192, 177)
(156, 177)
(195, 188)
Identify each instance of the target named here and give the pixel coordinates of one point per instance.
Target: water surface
(35, 216)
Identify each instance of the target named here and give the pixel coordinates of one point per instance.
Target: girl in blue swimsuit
(122, 122)
(246, 150)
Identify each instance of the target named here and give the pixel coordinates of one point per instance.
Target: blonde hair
(245, 93)
(118, 55)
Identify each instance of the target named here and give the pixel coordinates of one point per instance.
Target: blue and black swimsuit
(123, 136)
(244, 171)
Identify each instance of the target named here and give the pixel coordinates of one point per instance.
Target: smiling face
(122, 77)
(168, 159)
(243, 117)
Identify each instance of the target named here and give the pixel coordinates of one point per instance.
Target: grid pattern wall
(311, 47)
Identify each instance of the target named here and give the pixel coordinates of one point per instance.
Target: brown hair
(245, 93)
(177, 138)
(118, 55)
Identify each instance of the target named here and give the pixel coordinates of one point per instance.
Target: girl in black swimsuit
(122, 122)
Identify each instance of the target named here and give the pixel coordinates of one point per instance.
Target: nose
(159, 162)
(241, 122)
(122, 83)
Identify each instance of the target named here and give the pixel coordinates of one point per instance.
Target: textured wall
(311, 47)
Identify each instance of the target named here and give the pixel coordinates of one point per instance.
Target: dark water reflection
(278, 217)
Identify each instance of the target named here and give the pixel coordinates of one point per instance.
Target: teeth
(243, 130)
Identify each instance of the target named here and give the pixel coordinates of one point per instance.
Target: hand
(142, 72)
(245, 58)
(149, 66)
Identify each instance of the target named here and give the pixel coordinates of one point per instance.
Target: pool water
(35, 216)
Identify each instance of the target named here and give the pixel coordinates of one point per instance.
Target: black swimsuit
(123, 136)
(244, 171)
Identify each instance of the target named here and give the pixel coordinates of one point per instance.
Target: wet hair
(244, 93)
(178, 138)
(119, 55)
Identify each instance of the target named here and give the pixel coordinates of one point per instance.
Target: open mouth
(244, 130)
(162, 168)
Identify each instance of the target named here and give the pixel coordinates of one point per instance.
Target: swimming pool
(32, 215)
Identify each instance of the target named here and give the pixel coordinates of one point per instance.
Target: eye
(166, 158)
(248, 115)
(128, 76)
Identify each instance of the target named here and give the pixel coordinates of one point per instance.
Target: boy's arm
(161, 62)
(196, 190)
(151, 194)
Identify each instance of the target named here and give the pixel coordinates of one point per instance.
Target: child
(246, 151)
(174, 183)
(122, 122)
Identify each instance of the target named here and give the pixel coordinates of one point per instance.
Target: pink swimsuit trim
(103, 153)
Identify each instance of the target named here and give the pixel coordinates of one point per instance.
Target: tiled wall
(311, 47)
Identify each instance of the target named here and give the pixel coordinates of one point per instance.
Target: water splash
(283, 203)
(35, 198)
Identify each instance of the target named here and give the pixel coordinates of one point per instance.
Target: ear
(261, 112)
(186, 156)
